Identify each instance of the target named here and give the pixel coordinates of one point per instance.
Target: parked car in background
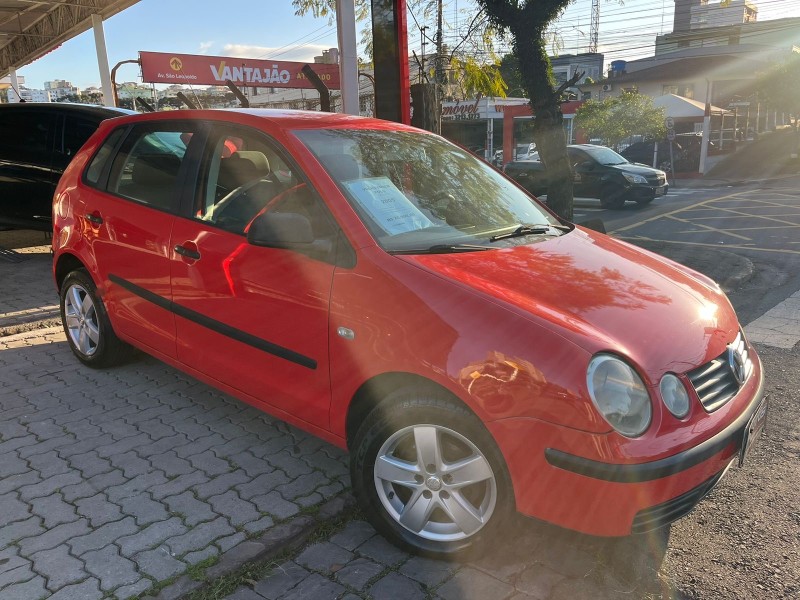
(476, 354)
(525, 151)
(37, 141)
(599, 172)
(685, 152)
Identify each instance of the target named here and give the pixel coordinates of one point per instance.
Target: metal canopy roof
(30, 29)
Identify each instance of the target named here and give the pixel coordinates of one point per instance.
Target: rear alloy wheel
(86, 323)
(429, 476)
(612, 196)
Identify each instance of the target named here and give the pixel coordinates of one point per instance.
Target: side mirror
(281, 230)
(585, 165)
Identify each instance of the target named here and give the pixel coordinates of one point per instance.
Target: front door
(254, 318)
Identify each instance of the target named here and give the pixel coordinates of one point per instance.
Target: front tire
(612, 196)
(428, 475)
(89, 332)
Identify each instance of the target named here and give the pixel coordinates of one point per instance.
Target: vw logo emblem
(736, 363)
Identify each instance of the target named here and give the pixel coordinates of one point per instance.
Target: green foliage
(780, 85)
(327, 8)
(615, 119)
(475, 78)
(509, 70)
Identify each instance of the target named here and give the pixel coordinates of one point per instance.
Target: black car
(685, 152)
(37, 141)
(599, 173)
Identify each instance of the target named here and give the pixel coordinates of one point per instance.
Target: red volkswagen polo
(386, 290)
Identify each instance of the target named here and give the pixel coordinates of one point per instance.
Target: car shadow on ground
(546, 561)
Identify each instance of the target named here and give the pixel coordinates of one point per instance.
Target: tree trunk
(548, 130)
(548, 133)
(527, 21)
(426, 107)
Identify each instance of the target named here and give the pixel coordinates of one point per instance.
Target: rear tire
(440, 486)
(86, 324)
(612, 196)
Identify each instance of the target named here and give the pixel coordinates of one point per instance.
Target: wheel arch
(375, 390)
(65, 264)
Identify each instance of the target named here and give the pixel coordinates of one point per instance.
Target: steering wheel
(275, 202)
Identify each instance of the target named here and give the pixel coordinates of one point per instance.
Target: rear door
(128, 219)
(254, 318)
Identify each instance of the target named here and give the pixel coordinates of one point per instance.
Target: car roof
(70, 107)
(281, 118)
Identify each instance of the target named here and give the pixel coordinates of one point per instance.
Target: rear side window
(146, 169)
(76, 131)
(27, 136)
(98, 163)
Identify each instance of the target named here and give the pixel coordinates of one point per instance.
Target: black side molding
(216, 326)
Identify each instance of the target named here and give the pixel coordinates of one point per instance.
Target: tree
(780, 86)
(614, 119)
(527, 21)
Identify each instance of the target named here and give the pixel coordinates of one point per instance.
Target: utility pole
(423, 42)
(594, 30)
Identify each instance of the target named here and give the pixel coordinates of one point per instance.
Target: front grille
(656, 180)
(716, 382)
(661, 514)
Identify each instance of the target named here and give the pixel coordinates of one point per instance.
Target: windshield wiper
(442, 249)
(528, 230)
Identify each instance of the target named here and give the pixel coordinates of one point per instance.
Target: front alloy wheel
(428, 475)
(435, 483)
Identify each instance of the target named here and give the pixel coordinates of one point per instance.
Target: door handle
(95, 218)
(187, 252)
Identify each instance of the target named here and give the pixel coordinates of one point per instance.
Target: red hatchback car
(388, 291)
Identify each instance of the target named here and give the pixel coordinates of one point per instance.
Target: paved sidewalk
(113, 481)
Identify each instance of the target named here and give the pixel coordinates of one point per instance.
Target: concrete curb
(290, 535)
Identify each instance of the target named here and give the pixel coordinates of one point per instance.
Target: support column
(102, 60)
(348, 55)
(13, 95)
(390, 56)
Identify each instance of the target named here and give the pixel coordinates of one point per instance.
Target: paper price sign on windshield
(387, 205)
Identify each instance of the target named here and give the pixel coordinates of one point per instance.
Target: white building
(60, 88)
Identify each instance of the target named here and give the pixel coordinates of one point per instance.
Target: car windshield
(416, 191)
(605, 156)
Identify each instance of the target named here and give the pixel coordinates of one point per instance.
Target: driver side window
(245, 177)
(242, 175)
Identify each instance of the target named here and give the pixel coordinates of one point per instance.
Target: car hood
(601, 294)
(636, 169)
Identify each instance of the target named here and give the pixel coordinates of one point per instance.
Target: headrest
(155, 169)
(255, 158)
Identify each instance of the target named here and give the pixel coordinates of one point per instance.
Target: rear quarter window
(97, 165)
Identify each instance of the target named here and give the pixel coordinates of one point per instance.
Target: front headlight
(674, 395)
(619, 394)
(634, 178)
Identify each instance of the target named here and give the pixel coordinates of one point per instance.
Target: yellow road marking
(717, 246)
(709, 228)
(674, 212)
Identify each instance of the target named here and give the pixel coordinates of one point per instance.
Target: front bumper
(613, 498)
(642, 191)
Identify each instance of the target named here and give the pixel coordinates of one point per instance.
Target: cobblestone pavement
(111, 481)
(535, 561)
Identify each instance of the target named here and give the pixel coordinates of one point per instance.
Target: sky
(270, 30)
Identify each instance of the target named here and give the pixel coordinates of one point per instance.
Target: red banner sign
(161, 67)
